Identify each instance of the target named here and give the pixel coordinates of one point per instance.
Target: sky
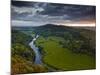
(41, 13)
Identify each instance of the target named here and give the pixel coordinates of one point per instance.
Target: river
(36, 50)
(38, 56)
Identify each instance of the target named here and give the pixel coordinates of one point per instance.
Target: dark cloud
(21, 3)
(73, 11)
(51, 12)
(28, 4)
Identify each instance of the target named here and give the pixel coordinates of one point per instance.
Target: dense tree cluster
(22, 56)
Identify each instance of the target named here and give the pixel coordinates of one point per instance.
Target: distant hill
(73, 33)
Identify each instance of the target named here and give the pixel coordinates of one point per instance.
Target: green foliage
(22, 55)
(20, 37)
(23, 51)
(22, 66)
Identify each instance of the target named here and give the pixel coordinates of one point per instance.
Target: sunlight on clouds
(90, 25)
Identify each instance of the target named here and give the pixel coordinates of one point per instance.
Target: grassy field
(62, 58)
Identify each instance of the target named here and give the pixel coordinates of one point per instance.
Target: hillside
(22, 56)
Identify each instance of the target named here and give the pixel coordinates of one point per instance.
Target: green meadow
(55, 55)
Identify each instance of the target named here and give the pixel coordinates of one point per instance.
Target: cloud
(25, 11)
(32, 14)
(43, 13)
(72, 11)
(26, 23)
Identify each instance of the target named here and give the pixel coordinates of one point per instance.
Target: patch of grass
(62, 58)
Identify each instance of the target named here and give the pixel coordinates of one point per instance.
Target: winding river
(36, 50)
(38, 56)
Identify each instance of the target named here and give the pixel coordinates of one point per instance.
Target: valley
(60, 48)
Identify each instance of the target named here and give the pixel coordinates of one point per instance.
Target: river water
(36, 50)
